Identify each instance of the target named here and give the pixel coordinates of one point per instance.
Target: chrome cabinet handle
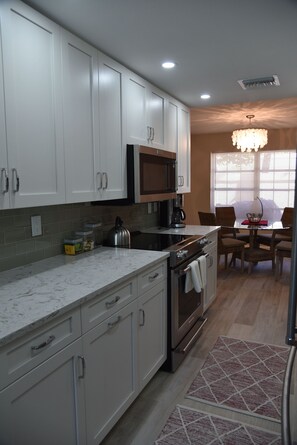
(153, 277)
(110, 304)
(105, 176)
(152, 133)
(15, 180)
(148, 133)
(4, 181)
(83, 366)
(99, 184)
(142, 323)
(41, 346)
(112, 324)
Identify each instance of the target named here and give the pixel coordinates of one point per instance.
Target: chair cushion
(284, 245)
(232, 242)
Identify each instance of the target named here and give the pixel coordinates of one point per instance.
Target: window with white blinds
(239, 178)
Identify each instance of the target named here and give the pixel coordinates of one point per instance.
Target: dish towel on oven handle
(202, 262)
(193, 278)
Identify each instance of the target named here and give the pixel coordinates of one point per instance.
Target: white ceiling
(213, 42)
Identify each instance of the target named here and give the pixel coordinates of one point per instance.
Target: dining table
(254, 252)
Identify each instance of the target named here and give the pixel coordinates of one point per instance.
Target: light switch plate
(149, 207)
(36, 225)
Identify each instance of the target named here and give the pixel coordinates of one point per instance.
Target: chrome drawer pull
(38, 348)
(112, 324)
(110, 304)
(153, 277)
(83, 366)
(142, 323)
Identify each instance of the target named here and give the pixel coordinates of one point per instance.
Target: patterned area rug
(186, 426)
(242, 376)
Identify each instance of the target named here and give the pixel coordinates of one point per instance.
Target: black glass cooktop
(155, 241)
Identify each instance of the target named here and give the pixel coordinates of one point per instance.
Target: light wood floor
(249, 307)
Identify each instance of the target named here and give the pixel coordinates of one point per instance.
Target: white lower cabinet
(111, 375)
(46, 405)
(69, 381)
(151, 332)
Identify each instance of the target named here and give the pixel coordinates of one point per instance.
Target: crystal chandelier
(250, 138)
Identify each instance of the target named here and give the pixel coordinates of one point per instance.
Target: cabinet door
(80, 104)
(156, 116)
(111, 379)
(152, 328)
(112, 126)
(46, 406)
(4, 184)
(32, 73)
(137, 129)
(211, 287)
(172, 127)
(184, 151)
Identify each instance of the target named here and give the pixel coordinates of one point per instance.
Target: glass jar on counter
(96, 228)
(73, 246)
(88, 239)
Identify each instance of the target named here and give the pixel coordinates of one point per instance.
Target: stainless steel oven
(185, 309)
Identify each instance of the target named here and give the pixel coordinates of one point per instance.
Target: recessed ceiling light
(205, 96)
(168, 65)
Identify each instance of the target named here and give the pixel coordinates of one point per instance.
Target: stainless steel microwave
(151, 173)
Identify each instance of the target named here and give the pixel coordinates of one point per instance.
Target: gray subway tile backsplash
(18, 247)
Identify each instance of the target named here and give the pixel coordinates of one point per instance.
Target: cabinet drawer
(104, 305)
(22, 355)
(151, 277)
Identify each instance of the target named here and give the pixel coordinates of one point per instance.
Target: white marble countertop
(188, 230)
(32, 294)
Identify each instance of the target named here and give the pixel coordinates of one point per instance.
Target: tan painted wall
(202, 147)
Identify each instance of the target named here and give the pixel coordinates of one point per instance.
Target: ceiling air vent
(261, 82)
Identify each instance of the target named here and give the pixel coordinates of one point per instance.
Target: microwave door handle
(176, 176)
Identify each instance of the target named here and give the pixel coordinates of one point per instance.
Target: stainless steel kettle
(119, 236)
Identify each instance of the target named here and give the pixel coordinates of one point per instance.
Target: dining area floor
(250, 307)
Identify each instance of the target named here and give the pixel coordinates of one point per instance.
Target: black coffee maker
(171, 214)
(177, 218)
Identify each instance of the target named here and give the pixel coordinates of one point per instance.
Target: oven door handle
(187, 269)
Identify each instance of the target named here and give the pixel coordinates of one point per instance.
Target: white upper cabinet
(80, 105)
(67, 112)
(172, 126)
(156, 116)
(93, 122)
(184, 151)
(32, 76)
(112, 125)
(178, 140)
(4, 179)
(146, 107)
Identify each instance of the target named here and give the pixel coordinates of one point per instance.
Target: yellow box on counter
(73, 246)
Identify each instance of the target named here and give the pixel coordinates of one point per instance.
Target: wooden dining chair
(282, 250)
(233, 246)
(226, 218)
(207, 219)
(272, 239)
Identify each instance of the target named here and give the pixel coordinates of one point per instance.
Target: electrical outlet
(36, 225)
(155, 207)
(149, 207)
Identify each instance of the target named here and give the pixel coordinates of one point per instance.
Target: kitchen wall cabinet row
(67, 112)
(71, 380)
